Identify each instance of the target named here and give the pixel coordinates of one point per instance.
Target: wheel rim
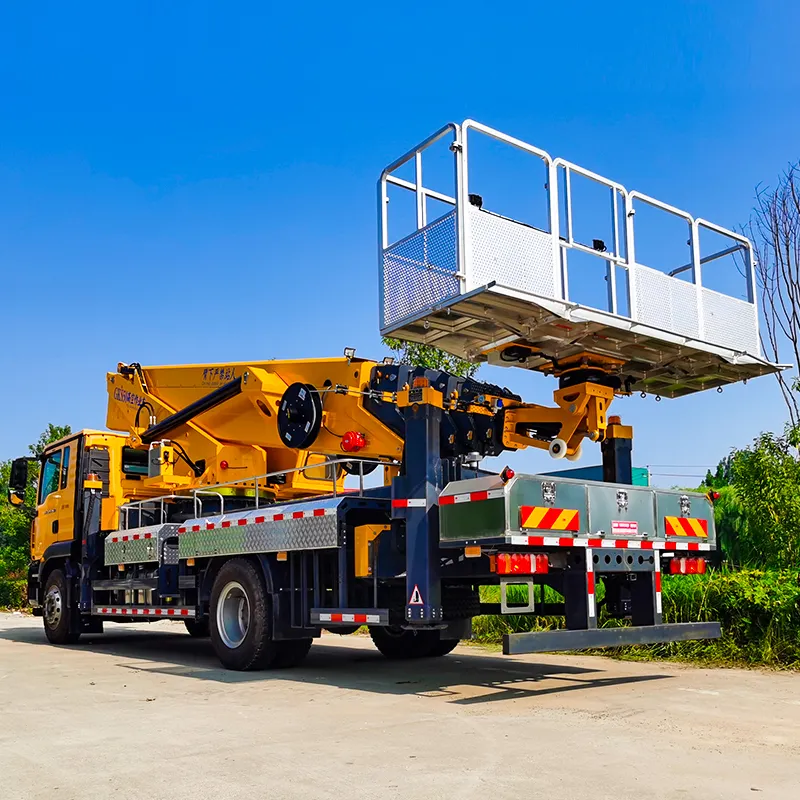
(53, 607)
(233, 614)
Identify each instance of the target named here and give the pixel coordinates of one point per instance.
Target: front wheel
(61, 623)
(241, 632)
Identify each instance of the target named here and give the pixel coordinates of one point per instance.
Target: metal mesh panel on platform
(730, 322)
(664, 302)
(510, 253)
(420, 271)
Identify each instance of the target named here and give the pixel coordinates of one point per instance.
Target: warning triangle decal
(416, 597)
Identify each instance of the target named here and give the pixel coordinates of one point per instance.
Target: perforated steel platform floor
(657, 362)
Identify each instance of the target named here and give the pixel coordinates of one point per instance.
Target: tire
(396, 643)
(240, 627)
(290, 653)
(576, 456)
(61, 624)
(197, 628)
(443, 647)
(558, 448)
(343, 630)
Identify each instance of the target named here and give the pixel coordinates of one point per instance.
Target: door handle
(55, 526)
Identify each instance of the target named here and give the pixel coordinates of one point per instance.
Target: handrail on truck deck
(195, 494)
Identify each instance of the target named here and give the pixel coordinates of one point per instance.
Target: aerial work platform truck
(263, 502)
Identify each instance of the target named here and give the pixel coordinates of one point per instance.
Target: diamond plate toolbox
(140, 545)
(300, 526)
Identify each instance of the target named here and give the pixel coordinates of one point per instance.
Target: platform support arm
(617, 450)
(415, 497)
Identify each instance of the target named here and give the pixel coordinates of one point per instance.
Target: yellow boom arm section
(241, 436)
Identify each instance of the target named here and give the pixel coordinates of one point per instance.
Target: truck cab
(57, 506)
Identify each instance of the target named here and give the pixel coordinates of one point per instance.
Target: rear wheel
(240, 618)
(397, 643)
(197, 628)
(443, 647)
(61, 623)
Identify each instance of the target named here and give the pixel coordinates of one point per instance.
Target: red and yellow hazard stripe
(549, 519)
(686, 526)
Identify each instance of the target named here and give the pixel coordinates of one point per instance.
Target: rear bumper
(550, 641)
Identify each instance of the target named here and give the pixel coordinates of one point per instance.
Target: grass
(13, 593)
(759, 611)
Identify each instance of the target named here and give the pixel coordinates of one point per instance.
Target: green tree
(52, 434)
(424, 355)
(15, 522)
(721, 477)
(774, 229)
(758, 512)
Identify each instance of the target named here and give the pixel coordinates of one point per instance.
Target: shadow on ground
(338, 663)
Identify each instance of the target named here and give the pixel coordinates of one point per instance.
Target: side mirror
(18, 481)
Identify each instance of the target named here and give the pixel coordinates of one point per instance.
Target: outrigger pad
(551, 641)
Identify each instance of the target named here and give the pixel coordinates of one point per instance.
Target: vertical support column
(646, 598)
(697, 278)
(559, 253)
(591, 605)
(658, 616)
(415, 497)
(92, 496)
(646, 606)
(630, 257)
(617, 450)
(579, 594)
(459, 148)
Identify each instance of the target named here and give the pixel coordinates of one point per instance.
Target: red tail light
(522, 564)
(507, 474)
(687, 566)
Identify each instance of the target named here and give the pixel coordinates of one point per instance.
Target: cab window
(51, 475)
(65, 468)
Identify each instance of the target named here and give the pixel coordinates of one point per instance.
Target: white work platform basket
(553, 261)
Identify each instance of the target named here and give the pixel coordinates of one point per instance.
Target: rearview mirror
(18, 481)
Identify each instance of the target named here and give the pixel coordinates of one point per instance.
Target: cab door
(56, 501)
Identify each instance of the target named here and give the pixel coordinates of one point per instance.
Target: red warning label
(416, 597)
(624, 527)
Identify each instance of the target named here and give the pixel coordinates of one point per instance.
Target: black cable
(143, 404)
(185, 456)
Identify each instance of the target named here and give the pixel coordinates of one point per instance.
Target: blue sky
(192, 182)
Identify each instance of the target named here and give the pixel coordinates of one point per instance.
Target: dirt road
(144, 712)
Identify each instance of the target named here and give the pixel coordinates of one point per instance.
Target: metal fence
(470, 247)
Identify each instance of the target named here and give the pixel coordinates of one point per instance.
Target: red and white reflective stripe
(418, 502)
(657, 580)
(144, 611)
(622, 544)
(132, 537)
(361, 619)
(470, 497)
(278, 516)
(590, 584)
